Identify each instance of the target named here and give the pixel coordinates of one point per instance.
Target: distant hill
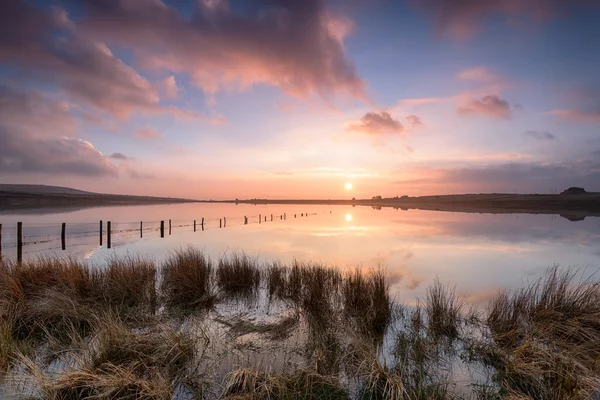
(14, 197)
(40, 189)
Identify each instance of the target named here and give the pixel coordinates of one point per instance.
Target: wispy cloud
(540, 135)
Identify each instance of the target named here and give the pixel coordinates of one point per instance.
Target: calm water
(478, 253)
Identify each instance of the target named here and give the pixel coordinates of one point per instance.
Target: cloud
(169, 87)
(149, 134)
(421, 101)
(577, 116)
(33, 110)
(490, 105)
(376, 123)
(49, 48)
(524, 177)
(118, 156)
(414, 121)
(463, 19)
(481, 75)
(135, 174)
(540, 135)
(294, 45)
(21, 152)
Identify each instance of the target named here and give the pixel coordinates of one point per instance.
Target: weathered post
(245, 222)
(19, 241)
(169, 227)
(271, 217)
(220, 223)
(284, 217)
(294, 215)
(141, 229)
(202, 224)
(259, 218)
(63, 232)
(162, 229)
(108, 232)
(194, 225)
(100, 233)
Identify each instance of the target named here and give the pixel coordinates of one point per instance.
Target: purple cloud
(490, 105)
(376, 123)
(295, 45)
(540, 135)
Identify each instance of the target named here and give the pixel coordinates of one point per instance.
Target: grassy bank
(234, 328)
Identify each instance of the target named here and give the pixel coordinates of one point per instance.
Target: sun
(348, 186)
(348, 217)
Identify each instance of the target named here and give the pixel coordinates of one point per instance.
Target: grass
(114, 328)
(547, 337)
(238, 276)
(444, 311)
(187, 280)
(367, 300)
(254, 385)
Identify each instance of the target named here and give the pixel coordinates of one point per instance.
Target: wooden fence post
(141, 229)
(259, 218)
(100, 233)
(202, 224)
(271, 217)
(194, 225)
(220, 223)
(169, 227)
(63, 232)
(245, 223)
(108, 233)
(162, 229)
(19, 241)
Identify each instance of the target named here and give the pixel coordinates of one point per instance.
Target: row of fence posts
(63, 231)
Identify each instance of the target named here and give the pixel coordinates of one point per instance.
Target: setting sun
(348, 186)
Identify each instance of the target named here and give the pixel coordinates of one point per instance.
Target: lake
(476, 253)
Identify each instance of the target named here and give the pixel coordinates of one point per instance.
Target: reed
(187, 280)
(238, 276)
(444, 311)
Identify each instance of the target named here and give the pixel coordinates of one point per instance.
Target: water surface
(477, 253)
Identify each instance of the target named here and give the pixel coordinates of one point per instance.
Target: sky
(217, 99)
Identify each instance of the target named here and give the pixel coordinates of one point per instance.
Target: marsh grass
(367, 300)
(159, 348)
(254, 385)
(238, 276)
(187, 280)
(444, 311)
(540, 342)
(547, 337)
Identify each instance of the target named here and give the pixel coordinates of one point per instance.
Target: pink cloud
(490, 105)
(421, 101)
(148, 134)
(169, 87)
(297, 46)
(577, 116)
(376, 123)
(414, 121)
(480, 75)
(463, 19)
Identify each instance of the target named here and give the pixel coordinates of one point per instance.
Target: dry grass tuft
(251, 384)
(187, 279)
(367, 300)
(238, 276)
(444, 311)
(547, 337)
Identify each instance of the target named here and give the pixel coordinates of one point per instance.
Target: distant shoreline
(571, 206)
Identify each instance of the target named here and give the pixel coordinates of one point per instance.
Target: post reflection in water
(479, 253)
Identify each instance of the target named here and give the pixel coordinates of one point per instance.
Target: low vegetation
(134, 329)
